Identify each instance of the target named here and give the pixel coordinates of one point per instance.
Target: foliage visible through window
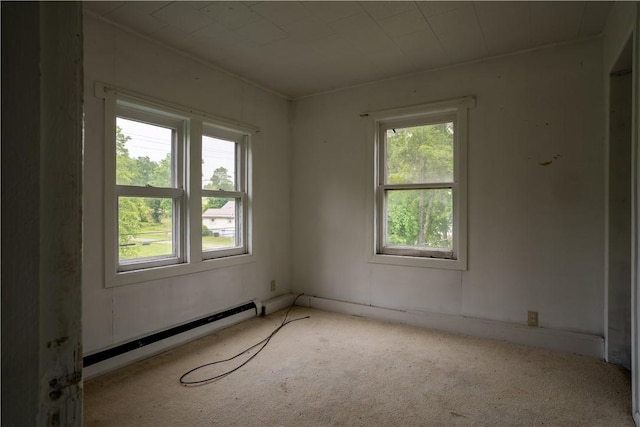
(222, 186)
(176, 189)
(419, 155)
(420, 218)
(416, 185)
(218, 164)
(144, 159)
(145, 228)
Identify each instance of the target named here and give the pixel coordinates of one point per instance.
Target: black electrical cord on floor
(262, 343)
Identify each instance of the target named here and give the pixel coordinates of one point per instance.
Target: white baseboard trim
(155, 348)
(553, 339)
(277, 303)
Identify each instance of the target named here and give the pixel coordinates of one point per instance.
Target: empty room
(320, 213)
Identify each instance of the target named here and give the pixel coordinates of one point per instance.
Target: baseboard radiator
(106, 360)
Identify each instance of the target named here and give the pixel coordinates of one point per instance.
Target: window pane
(420, 154)
(143, 154)
(219, 223)
(420, 218)
(218, 164)
(145, 228)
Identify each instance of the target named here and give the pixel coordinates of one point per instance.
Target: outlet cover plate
(532, 318)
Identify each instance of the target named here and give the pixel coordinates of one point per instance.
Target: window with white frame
(150, 196)
(421, 185)
(223, 192)
(176, 189)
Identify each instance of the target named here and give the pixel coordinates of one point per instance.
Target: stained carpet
(333, 369)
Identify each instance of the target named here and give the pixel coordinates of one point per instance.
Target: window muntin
(417, 186)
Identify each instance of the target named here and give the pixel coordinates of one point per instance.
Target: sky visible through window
(150, 141)
(217, 153)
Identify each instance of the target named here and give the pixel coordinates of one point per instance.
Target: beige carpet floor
(342, 370)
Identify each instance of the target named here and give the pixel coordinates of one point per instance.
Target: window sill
(422, 262)
(157, 273)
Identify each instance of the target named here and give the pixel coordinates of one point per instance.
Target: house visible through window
(176, 190)
(223, 191)
(421, 185)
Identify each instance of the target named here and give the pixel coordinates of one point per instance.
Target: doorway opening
(620, 209)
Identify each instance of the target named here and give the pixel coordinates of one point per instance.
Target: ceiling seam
(584, 12)
(435, 35)
(291, 94)
(375, 21)
(484, 38)
(461, 64)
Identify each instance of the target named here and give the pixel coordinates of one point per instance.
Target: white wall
(113, 315)
(535, 232)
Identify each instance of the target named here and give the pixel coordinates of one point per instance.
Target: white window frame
(451, 110)
(240, 180)
(187, 194)
(176, 192)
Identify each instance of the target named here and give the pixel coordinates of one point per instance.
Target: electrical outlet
(532, 318)
(273, 285)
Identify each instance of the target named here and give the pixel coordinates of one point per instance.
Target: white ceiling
(301, 48)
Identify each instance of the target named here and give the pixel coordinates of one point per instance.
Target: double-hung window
(149, 152)
(177, 189)
(223, 192)
(420, 216)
